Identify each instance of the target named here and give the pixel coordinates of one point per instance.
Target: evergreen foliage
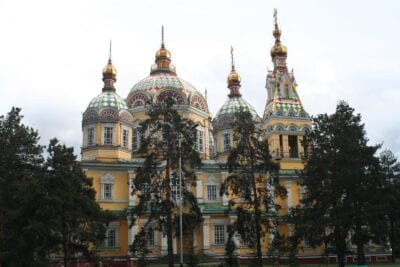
(387, 199)
(75, 219)
(252, 184)
(157, 182)
(45, 207)
(340, 175)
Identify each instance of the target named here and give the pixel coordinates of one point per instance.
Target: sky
(52, 54)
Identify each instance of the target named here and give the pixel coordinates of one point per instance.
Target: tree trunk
(257, 214)
(359, 241)
(66, 252)
(340, 244)
(169, 215)
(391, 239)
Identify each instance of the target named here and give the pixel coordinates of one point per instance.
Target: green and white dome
(234, 105)
(108, 99)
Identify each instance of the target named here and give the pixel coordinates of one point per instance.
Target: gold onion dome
(233, 77)
(109, 71)
(163, 54)
(278, 49)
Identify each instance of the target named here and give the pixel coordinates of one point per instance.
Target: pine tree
(157, 182)
(340, 173)
(251, 171)
(23, 229)
(75, 219)
(387, 202)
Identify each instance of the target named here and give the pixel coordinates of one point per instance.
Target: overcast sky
(52, 54)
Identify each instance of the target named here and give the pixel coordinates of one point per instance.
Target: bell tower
(284, 120)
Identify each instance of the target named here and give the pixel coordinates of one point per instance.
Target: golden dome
(109, 70)
(278, 50)
(163, 54)
(233, 78)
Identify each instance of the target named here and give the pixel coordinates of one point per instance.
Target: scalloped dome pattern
(234, 105)
(108, 99)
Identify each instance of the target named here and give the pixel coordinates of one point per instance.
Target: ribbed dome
(157, 81)
(234, 105)
(108, 99)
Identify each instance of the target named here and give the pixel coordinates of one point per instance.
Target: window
(150, 237)
(219, 234)
(306, 243)
(293, 149)
(90, 137)
(212, 192)
(199, 145)
(107, 191)
(107, 184)
(108, 135)
(226, 141)
(125, 137)
(144, 189)
(112, 236)
(135, 139)
(175, 188)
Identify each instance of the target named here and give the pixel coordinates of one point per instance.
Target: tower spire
(109, 55)
(278, 51)
(162, 37)
(109, 74)
(232, 59)
(233, 79)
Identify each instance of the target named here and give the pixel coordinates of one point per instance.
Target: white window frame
(219, 234)
(107, 180)
(199, 144)
(212, 196)
(124, 130)
(112, 134)
(89, 129)
(112, 236)
(150, 236)
(211, 181)
(225, 146)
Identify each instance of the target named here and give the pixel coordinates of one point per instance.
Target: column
(132, 231)
(289, 195)
(132, 198)
(236, 240)
(206, 234)
(199, 188)
(164, 244)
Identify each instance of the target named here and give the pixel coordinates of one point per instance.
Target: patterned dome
(162, 84)
(108, 99)
(234, 105)
(157, 81)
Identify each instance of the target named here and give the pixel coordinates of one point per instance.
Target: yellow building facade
(111, 140)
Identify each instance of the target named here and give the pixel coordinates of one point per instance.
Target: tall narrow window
(219, 234)
(108, 135)
(135, 139)
(293, 148)
(281, 145)
(150, 237)
(287, 91)
(125, 137)
(199, 145)
(112, 236)
(90, 137)
(107, 191)
(226, 141)
(212, 192)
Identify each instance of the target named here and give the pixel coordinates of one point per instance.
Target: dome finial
(109, 56)
(233, 79)
(232, 59)
(162, 36)
(109, 74)
(278, 49)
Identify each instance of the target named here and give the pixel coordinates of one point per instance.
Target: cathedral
(111, 139)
